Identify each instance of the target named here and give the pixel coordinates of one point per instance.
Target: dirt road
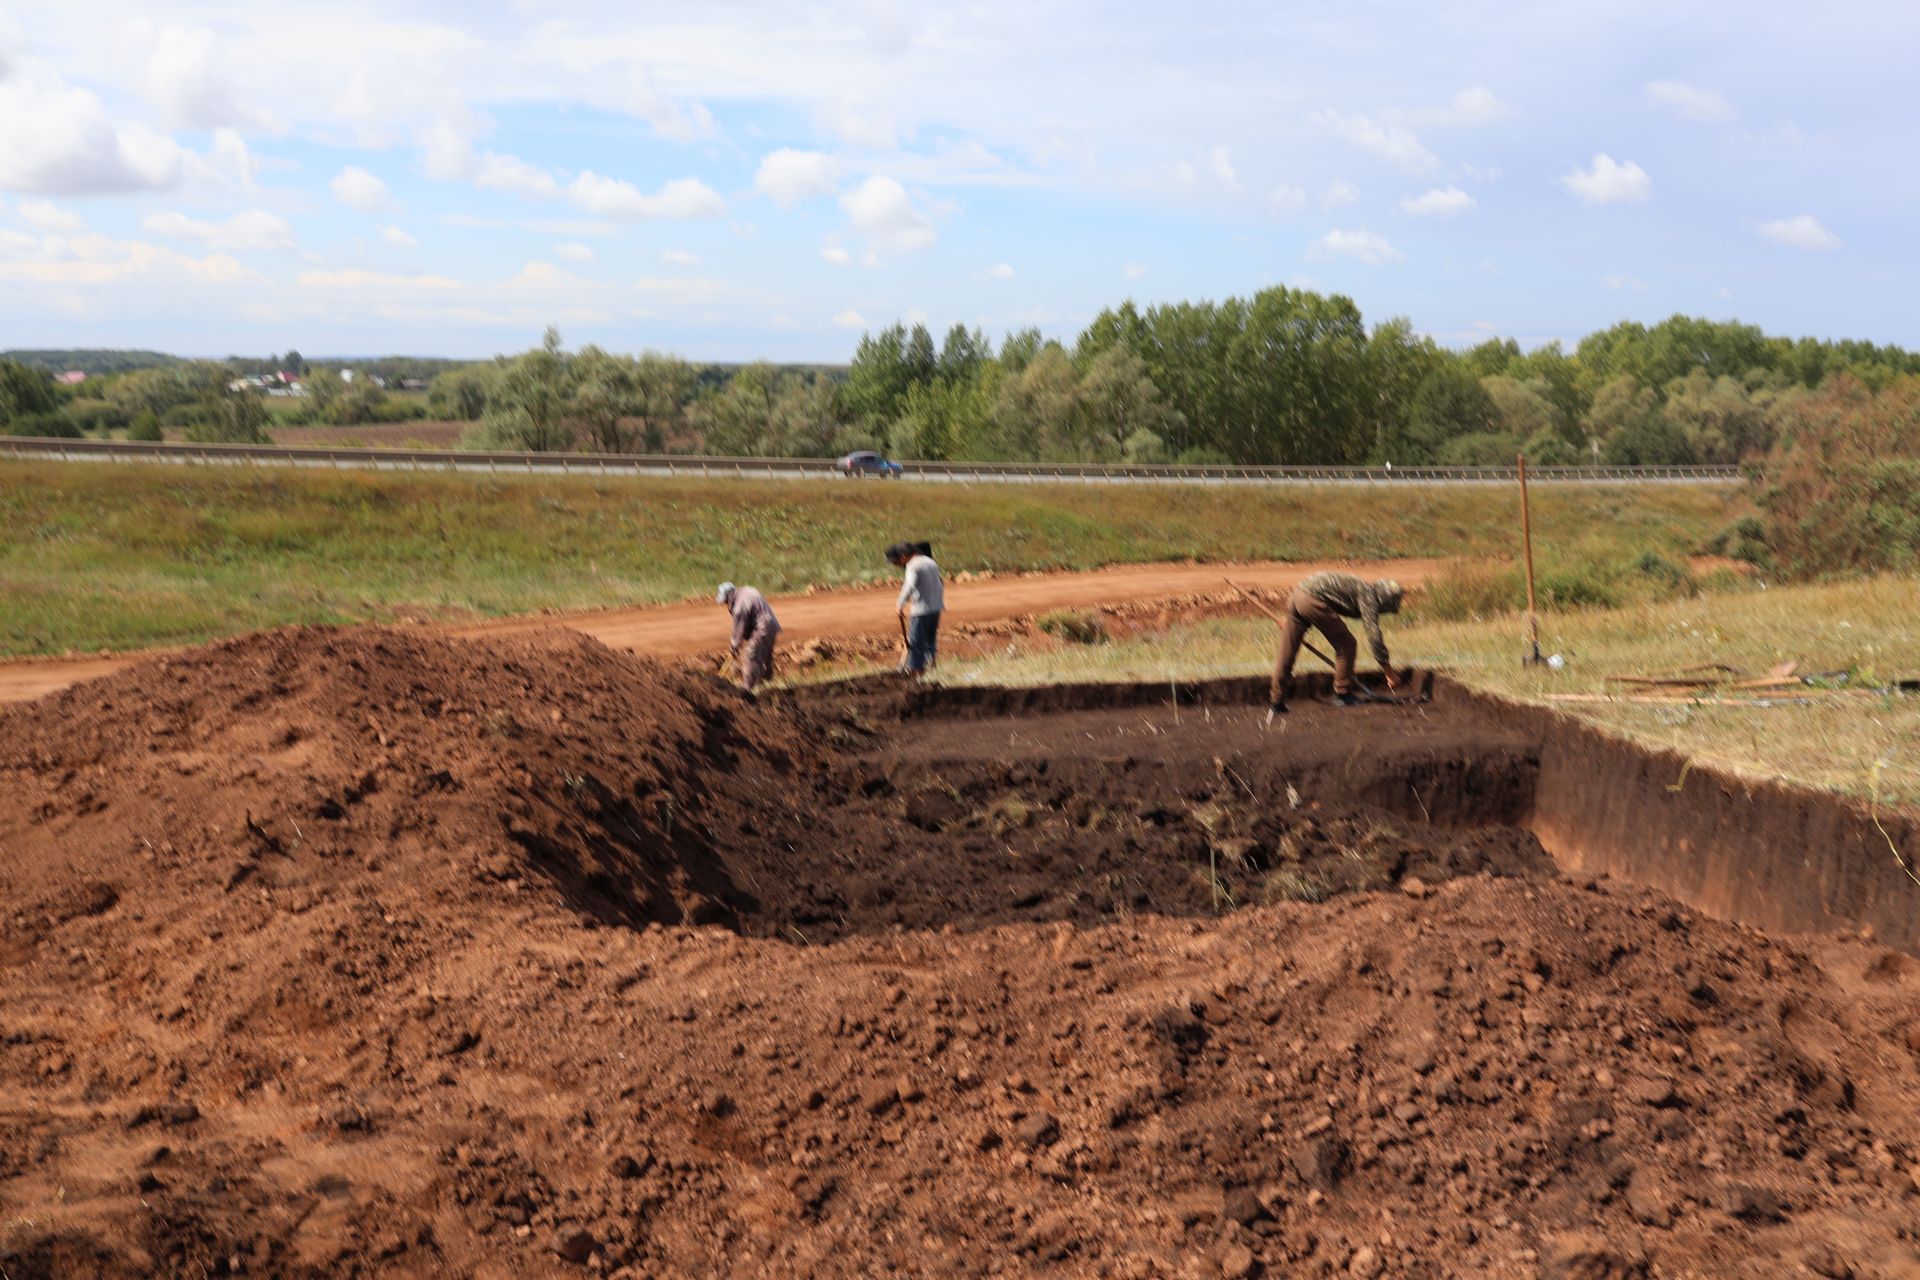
(681, 630)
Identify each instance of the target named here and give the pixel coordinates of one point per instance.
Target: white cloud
(1691, 102)
(359, 278)
(787, 176)
(358, 189)
(1802, 232)
(573, 252)
(679, 257)
(998, 271)
(398, 238)
(1629, 283)
(48, 216)
(1610, 182)
(1220, 161)
(669, 119)
(497, 172)
(1362, 244)
(1440, 202)
(859, 124)
(94, 260)
(612, 198)
(1393, 143)
(850, 319)
(1287, 199)
(682, 288)
(1338, 193)
(1469, 107)
(1134, 270)
(836, 254)
(231, 158)
(57, 139)
(880, 209)
(186, 78)
(252, 231)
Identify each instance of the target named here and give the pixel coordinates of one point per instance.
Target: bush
(1201, 455)
(52, 426)
(97, 416)
(1480, 449)
(1576, 587)
(192, 414)
(1841, 491)
(1745, 539)
(145, 426)
(1074, 628)
(1472, 591)
(1662, 571)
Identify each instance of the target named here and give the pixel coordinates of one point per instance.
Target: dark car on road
(868, 463)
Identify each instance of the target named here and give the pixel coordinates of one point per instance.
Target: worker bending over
(754, 631)
(1319, 603)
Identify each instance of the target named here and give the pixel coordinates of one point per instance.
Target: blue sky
(745, 180)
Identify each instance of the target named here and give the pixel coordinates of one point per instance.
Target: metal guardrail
(609, 464)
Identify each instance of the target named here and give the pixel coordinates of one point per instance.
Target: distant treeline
(1286, 376)
(89, 362)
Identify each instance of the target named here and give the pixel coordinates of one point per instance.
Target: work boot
(1346, 700)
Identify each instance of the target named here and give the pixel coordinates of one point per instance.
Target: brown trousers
(1307, 611)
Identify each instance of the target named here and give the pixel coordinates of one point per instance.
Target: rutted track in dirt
(342, 952)
(696, 627)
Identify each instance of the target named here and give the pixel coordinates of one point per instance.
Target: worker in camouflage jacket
(1320, 603)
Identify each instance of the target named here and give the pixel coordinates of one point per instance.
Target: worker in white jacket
(922, 600)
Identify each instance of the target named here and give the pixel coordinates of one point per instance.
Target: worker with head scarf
(754, 631)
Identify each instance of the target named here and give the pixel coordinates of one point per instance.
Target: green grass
(1850, 745)
(104, 556)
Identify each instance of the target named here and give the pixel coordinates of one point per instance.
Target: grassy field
(104, 556)
(1853, 745)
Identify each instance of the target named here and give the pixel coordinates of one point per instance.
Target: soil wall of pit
(1762, 853)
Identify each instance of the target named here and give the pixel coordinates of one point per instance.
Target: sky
(736, 181)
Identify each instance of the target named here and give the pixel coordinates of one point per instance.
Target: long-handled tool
(1531, 656)
(906, 645)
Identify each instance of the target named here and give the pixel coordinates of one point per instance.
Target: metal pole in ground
(1532, 653)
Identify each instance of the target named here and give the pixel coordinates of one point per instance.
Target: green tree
(963, 354)
(1521, 409)
(460, 393)
(1721, 420)
(1122, 414)
(1033, 415)
(24, 392)
(153, 390)
(663, 388)
(530, 410)
(878, 378)
(1019, 348)
(228, 415)
(324, 389)
(923, 365)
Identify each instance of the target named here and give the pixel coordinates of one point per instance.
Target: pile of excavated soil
(334, 953)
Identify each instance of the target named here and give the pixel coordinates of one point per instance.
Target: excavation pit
(337, 952)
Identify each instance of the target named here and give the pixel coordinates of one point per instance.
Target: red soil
(344, 952)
